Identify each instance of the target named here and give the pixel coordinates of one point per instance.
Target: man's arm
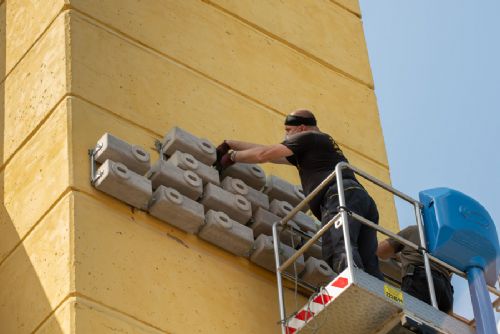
(390, 247)
(385, 250)
(259, 154)
(241, 145)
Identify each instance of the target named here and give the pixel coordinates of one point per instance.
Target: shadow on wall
(23, 302)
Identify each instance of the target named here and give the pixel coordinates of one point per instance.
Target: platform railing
(341, 220)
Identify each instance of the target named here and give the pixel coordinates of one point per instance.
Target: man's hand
(221, 150)
(385, 251)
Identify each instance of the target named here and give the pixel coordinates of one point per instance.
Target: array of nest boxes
(234, 210)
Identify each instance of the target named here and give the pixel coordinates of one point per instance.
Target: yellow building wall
(74, 260)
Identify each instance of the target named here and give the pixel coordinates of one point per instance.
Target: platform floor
(363, 304)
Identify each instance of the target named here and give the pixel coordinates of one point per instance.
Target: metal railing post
(344, 219)
(427, 265)
(279, 281)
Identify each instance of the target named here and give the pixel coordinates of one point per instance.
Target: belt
(412, 269)
(333, 187)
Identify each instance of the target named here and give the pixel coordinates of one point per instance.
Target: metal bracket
(93, 164)
(159, 149)
(344, 208)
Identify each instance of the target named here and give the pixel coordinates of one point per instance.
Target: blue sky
(436, 67)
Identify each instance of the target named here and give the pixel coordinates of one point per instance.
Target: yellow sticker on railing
(393, 294)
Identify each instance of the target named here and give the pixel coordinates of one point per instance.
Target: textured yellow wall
(73, 260)
(35, 251)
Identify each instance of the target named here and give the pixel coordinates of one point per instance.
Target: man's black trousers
(363, 239)
(416, 285)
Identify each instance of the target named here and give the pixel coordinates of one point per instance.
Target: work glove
(224, 162)
(221, 150)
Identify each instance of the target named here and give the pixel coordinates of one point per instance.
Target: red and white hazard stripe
(319, 302)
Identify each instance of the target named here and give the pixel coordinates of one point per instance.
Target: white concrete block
(134, 157)
(115, 179)
(170, 206)
(186, 182)
(306, 223)
(186, 161)
(315, 250)
(226, 233)
(253, 175)
(235, 206)
(178, 139)
(317, 272)
(278, 188)
(282, 208)
(256, 198)
(263, 255)
(262, 223)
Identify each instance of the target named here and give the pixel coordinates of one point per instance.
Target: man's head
(300, 121)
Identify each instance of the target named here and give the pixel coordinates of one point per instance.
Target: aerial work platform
(363, 304)
(356, 302)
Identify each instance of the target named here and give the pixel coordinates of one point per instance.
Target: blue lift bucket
(460, 232)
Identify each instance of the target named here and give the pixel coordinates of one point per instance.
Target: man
(413, 273)
(315, 154)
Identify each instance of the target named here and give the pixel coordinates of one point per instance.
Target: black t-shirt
(315, 154)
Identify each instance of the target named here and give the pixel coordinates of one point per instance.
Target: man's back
(414, 277)
(315, 154)
(410, 256)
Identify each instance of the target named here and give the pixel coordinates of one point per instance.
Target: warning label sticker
(393, 294)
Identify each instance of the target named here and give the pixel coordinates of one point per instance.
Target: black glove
(221, 150)
(225, 162)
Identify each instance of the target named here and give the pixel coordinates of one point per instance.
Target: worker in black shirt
(315, 154)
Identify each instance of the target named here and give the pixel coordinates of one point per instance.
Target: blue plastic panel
(460, 231)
